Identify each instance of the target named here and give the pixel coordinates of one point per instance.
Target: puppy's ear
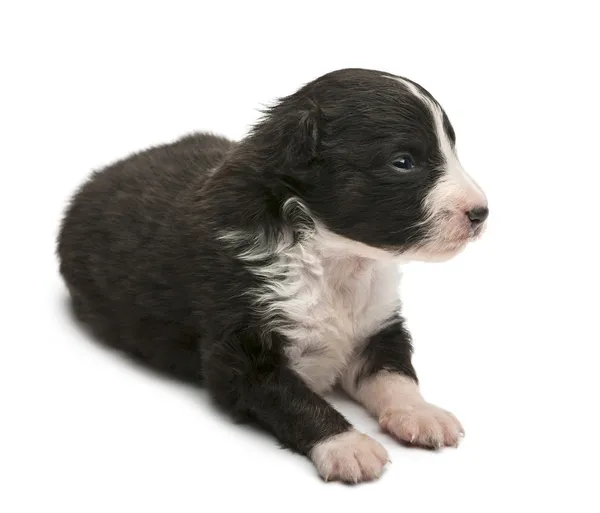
(303, 135)
(289, 132)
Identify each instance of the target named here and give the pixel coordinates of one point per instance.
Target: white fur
(396, 401)
(326, 294)
(350, 457)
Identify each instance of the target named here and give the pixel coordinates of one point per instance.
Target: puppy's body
(267, 269)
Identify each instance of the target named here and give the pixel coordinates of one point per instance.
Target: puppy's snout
(478, 215)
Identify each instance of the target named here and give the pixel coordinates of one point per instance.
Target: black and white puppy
(268, 269)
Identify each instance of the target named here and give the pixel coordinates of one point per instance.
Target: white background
(506, 335)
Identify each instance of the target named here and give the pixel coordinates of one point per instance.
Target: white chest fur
(326, 295)
(331, 305)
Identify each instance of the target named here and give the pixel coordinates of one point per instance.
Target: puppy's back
(122, 205)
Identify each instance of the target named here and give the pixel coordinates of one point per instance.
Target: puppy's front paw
(423, 424)
(351, 457)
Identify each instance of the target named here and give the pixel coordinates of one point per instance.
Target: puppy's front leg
(383, 379)
(252, 380)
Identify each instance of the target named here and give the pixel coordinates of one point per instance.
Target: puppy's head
(372, 157)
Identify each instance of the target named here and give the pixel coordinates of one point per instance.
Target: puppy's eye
(404, 162)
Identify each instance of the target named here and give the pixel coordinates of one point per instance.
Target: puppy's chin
(447, 236)
(441, 249)
(433, 253)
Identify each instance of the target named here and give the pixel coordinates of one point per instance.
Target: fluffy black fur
(140, 251)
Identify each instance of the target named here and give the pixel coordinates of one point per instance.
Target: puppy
(267, 269)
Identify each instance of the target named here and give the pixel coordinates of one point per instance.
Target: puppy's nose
(478, 215)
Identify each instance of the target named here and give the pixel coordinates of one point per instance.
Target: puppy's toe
(350, 457)
(424, 424)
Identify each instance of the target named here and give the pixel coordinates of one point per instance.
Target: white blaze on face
(446, 205)
(455, 190)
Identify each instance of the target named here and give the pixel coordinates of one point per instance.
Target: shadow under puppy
(268, 269)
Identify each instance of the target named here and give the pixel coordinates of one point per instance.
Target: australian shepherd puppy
(267, 269)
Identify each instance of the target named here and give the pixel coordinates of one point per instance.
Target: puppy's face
(385, 172)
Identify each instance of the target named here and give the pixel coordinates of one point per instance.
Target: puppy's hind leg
(253, 381)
